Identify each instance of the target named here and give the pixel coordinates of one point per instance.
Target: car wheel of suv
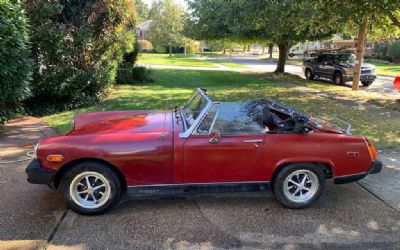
(338, 78)
(299, 185)
(366, 83)
(90, 188)
(309, 74)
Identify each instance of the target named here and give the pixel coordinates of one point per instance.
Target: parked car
(204, 146)
(338, 66)
(396, 83)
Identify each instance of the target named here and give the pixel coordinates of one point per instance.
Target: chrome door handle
(253, 141)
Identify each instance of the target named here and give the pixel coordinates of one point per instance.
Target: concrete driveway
(361, 215)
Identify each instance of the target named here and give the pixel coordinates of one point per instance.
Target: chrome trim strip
(189, 131)
(350, 175)
(202, 183)
(253, 141)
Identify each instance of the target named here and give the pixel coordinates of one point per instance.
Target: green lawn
(174, 60)
(172, 87)
(387, 69)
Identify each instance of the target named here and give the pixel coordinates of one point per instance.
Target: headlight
(348, 71)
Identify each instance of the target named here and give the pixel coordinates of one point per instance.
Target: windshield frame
(189, 129)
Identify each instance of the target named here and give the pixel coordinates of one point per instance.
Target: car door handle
(253, 141)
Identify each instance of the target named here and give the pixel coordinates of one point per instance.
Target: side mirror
(215, 137)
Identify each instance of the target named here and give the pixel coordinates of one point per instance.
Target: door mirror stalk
(215, 137)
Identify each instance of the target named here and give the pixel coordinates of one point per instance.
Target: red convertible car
(204, 146)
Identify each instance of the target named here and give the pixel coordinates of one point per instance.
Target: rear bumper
(38, 175)
(376, 167)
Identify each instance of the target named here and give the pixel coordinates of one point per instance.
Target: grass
(384, 100)
(387, 69)
(178, 85)
(174, 60)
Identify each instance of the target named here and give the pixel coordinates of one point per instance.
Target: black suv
(338, 66)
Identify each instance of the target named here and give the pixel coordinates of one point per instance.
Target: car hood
(138, 121)
(352, 65)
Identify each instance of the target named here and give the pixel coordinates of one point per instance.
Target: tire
(366, 83)
(338, 78)
(291, 55)
(309, 74)
(74, 185)
(291, 197)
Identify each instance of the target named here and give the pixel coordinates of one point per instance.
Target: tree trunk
(244, 48)
(184, 50)
(270, 48)
(263, 50)
(362, 33)
(283, 48)
(170, 50)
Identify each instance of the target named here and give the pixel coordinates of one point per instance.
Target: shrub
(77, 47)
(394, 51)
(15, 65)
(132, 75)
(145, 45)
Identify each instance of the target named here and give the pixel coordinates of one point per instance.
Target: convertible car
(204, 146)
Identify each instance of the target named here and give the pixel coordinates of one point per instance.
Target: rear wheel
(366, 83)
(338, 78)
(90, 188)
(299, 185)
(309, 74)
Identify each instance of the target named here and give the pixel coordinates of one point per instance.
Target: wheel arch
(66, 167)
(326, 167)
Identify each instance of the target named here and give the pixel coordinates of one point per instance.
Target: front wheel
(366, 83)
(338, 78)
(299, 185)
(90, 188)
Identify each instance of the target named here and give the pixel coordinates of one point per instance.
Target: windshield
(346, 58)
(192, 109)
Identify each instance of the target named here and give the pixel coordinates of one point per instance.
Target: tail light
(372, 150)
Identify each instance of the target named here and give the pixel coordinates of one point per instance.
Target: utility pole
(362, 34)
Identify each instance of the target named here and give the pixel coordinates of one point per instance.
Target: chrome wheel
(90, 190)
(301, 186)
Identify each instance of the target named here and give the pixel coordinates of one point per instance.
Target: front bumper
(363, 77)
(375, 168)
(38, 175)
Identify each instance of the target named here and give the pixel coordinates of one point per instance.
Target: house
(142, 30)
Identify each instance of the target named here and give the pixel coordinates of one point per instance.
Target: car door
(329, 66)
(229, 158)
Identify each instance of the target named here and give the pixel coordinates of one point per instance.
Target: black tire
(291, 55)
(97, 173)
(338, 78)
(366, 83)
(283, 195)
(309, 74)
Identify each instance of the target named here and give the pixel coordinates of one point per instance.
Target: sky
(181, 2)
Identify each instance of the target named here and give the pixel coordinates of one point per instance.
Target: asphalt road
(356, 216)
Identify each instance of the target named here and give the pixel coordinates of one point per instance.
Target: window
(193, 108)
(232, 118)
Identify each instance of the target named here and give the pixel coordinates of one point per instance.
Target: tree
(142, 11)
(283, 22)
(15, 63)
(168, 20)
(77, 47)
